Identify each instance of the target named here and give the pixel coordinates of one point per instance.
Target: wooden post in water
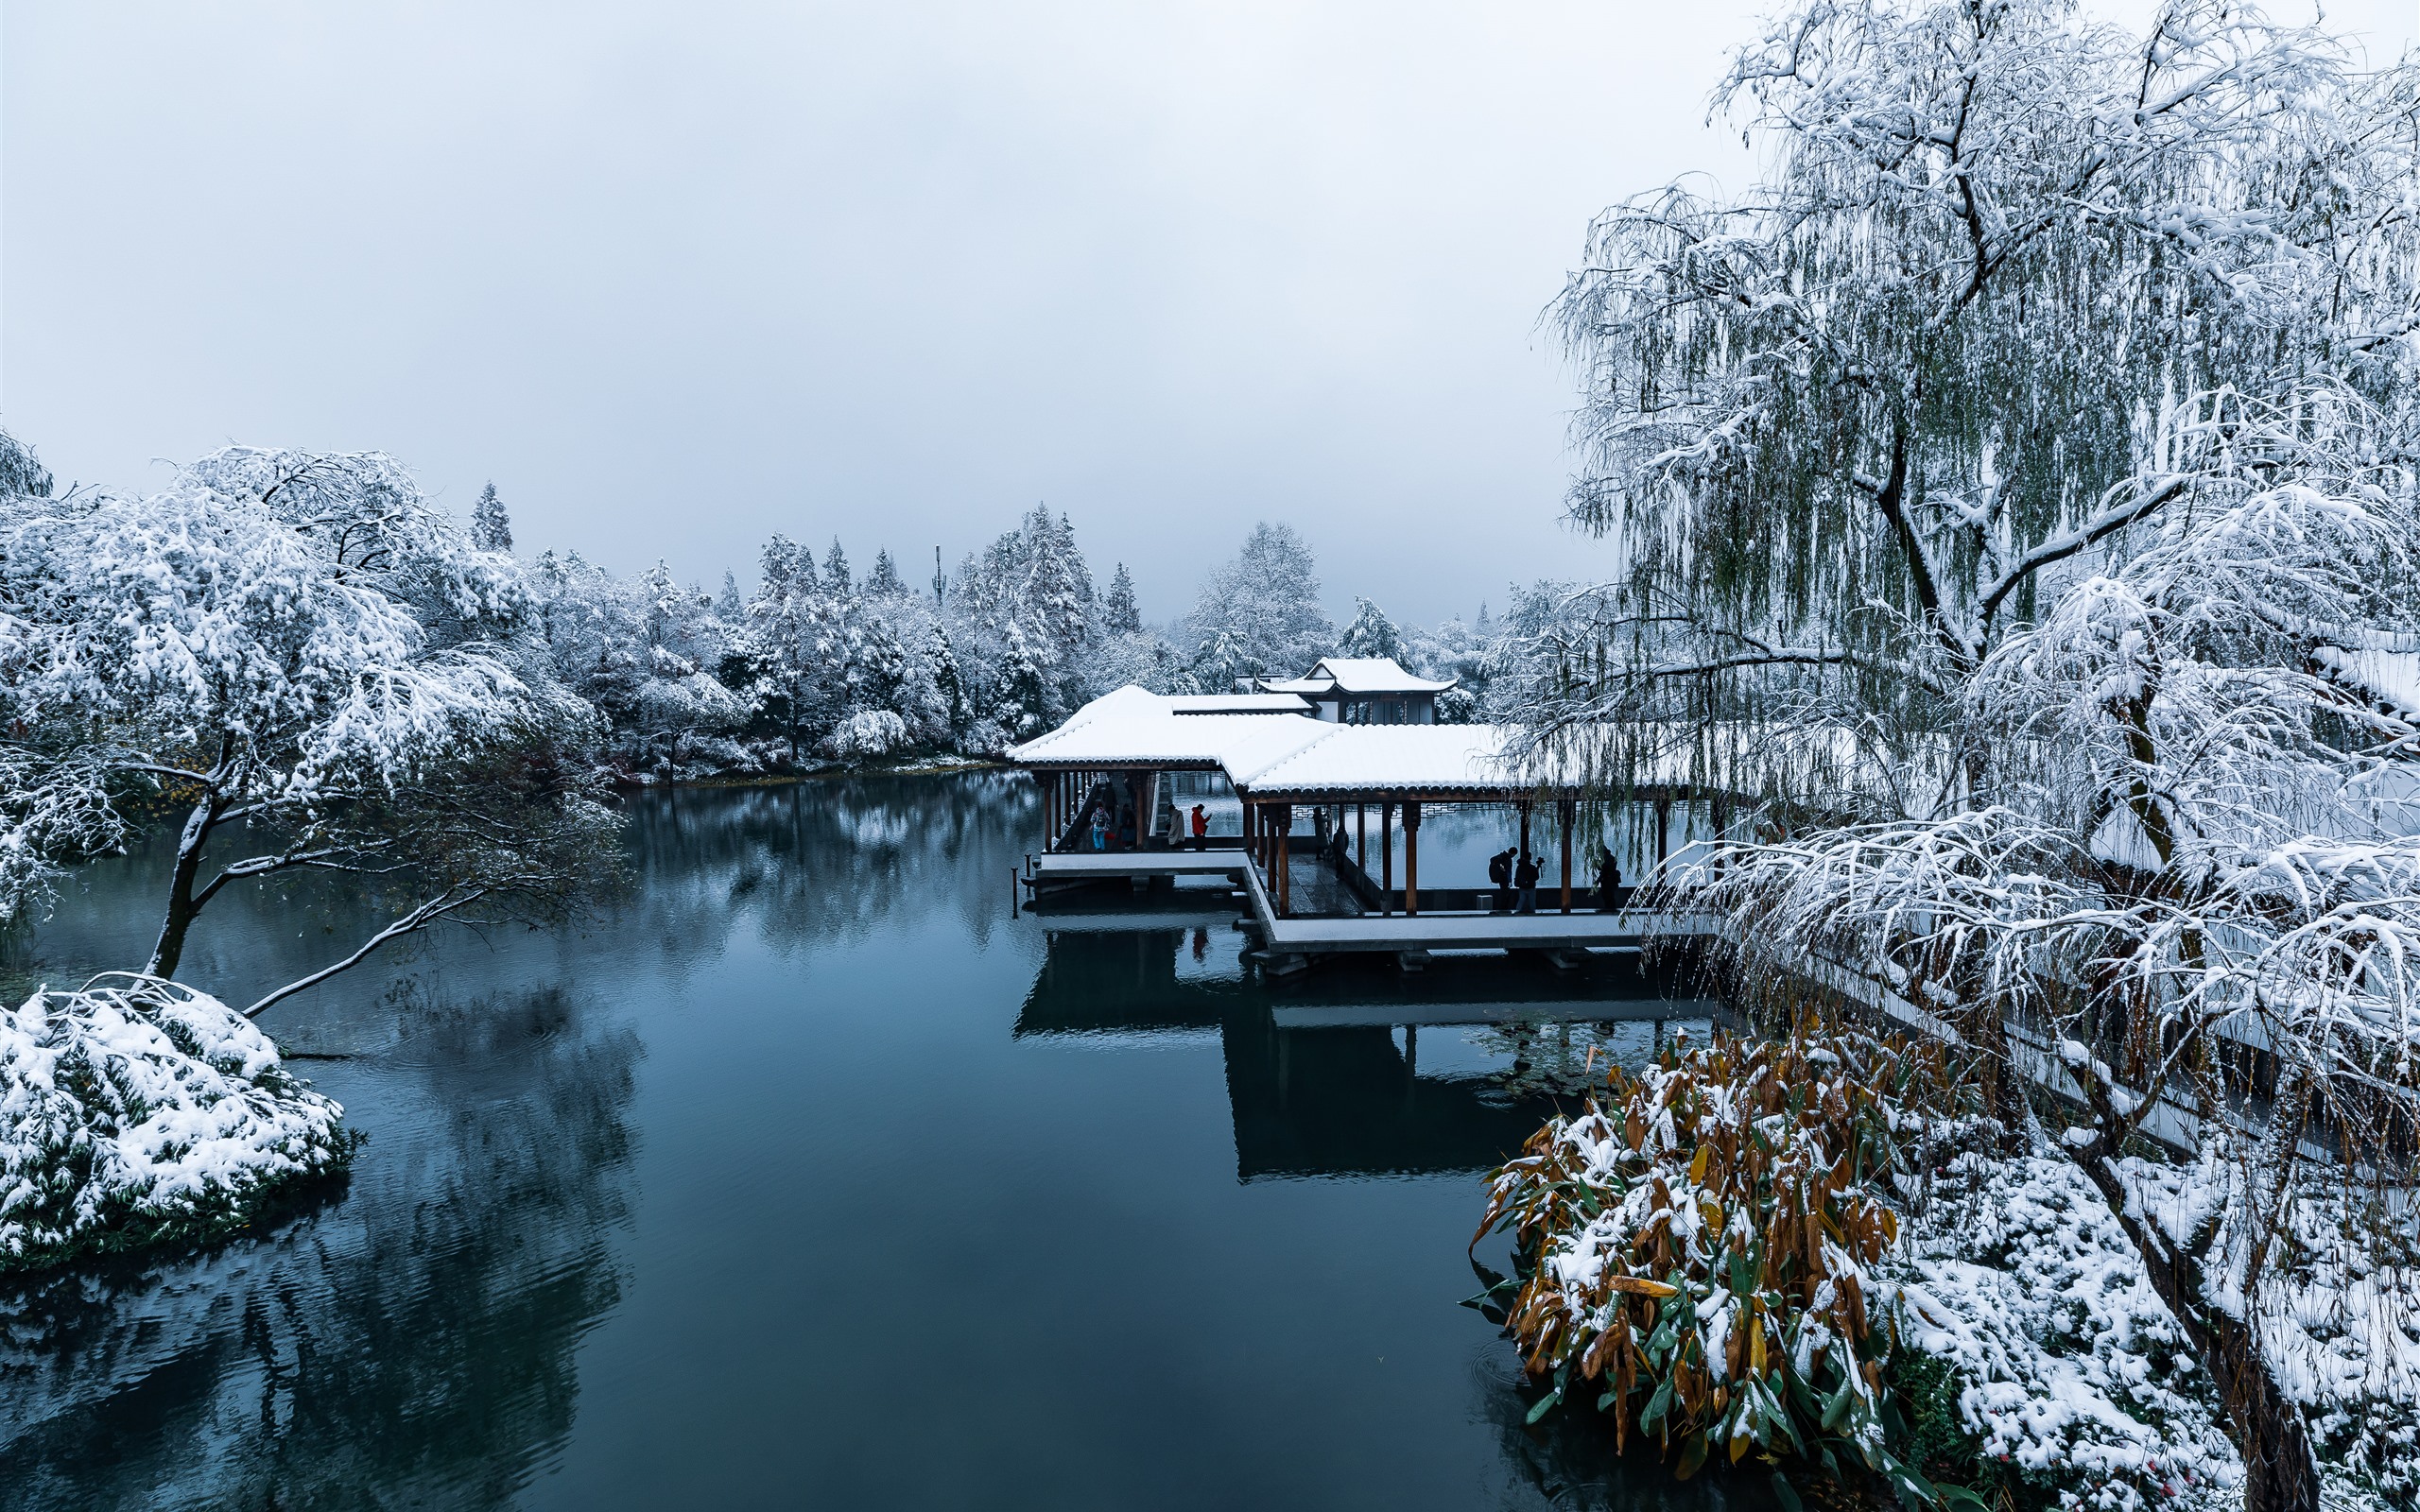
(1563, 813)
(1411, 859)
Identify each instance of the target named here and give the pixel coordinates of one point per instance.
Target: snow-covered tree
(649, 652)
(1991, 481)
(2189, 864)
(884, 581)
(792, 638)
(1032, 581)
(317, 664)
(1119, 614)
(1259, 614)
(491, 527)
(836, 571)
(1371, 633)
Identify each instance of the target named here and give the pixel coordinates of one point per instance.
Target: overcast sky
(679, 276)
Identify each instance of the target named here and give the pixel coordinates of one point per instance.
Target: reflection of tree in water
(411, 1344)
(827, 861)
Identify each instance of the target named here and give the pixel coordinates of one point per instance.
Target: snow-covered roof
(1152, 735)
(1393, 758)
(1236, 703)
(1280, 754)
(1356, 675)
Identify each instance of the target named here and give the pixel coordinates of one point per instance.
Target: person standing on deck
(1201, 828)
(1525, 877)
(1101, 828)
(1500, 873)
(1609, 881)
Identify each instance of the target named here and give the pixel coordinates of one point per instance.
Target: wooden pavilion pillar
(1563, 813)
(1362, 837)
(1663, 835)
(1386, 857)
(1411, 859)
(1284, 838)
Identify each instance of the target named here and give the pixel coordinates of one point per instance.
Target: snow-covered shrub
(2336, 1315)
(2068, 1367)
(1697, 1253)
(135, 1110)
(866, 734)
(1457, 705)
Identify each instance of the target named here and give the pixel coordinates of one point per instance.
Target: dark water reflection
(805, 1176)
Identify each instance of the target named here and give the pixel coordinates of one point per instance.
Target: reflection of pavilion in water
(1353, 1099)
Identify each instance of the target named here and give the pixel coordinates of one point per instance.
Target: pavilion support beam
(1284, 827)
(1412, 860)
(1362, 837)
(1564, 814)
(1385, 858)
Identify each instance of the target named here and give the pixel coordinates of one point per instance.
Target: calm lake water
(805, 1176)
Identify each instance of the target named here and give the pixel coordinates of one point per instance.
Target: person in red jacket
(1201, 828)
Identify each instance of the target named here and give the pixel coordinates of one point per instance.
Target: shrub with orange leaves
(1696, 1249)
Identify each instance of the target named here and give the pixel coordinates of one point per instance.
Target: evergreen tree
(1371, 633)
(1259, 613)
(1118, 615)
(491, 527)
(884, 581)
(940, 663)
(729, 607)
(836, 571)
(1025, 694)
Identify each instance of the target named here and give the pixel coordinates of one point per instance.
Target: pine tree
(1024, 698)
(836, 571)
(491, 527)
(1118, 615)
(884, 581)
(941, 661)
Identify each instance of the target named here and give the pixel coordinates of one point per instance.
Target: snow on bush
(1769, 1248)
(2336, 1314)
(135, 1110)
(2069, 1368)
(1703, 1246)
(868, 732)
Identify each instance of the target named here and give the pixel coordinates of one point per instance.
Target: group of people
(1515, 871)
(1113, 826)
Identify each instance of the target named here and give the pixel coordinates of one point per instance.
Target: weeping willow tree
(1848, 425)
(2004, 488)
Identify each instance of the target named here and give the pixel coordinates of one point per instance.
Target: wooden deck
(1064, 869)
(1397, 934)
(1585, 1010)
(1401, 933)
